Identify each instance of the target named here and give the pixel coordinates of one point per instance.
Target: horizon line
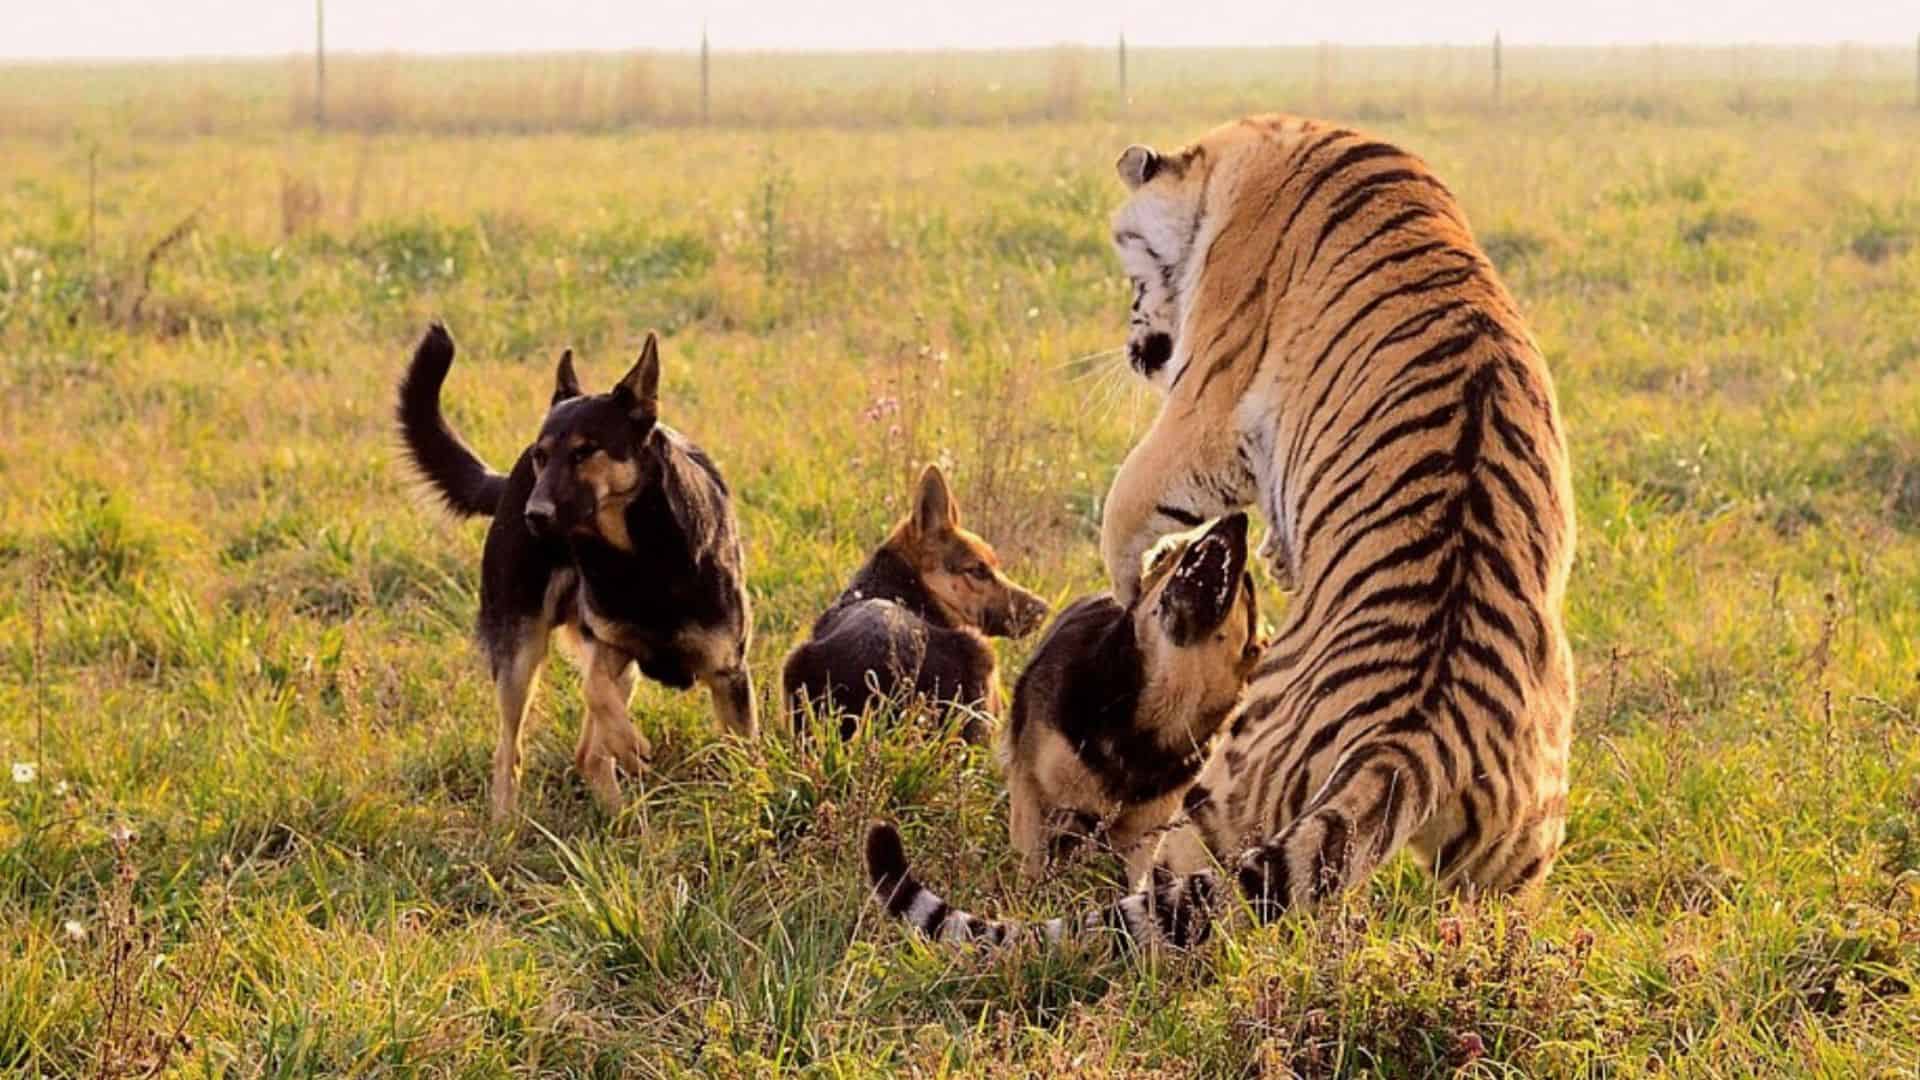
(978, 50)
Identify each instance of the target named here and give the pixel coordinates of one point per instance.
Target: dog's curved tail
(443, 459)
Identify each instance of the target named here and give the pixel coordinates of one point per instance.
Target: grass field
(249, 733)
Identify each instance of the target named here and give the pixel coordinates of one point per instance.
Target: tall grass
(234, 642)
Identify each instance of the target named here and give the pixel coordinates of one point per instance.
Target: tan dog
(915, 620)
(1111, 719)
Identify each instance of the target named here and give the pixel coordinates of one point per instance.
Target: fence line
(611, 91)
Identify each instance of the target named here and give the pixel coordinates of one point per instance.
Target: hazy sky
(74, 28)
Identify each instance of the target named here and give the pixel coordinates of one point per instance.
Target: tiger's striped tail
(1175, 911)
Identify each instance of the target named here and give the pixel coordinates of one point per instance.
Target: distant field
(610, 90)
(234, 640)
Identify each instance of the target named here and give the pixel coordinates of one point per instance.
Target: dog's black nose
(539, 522)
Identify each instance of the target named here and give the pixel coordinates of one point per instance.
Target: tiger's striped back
(1339, 352)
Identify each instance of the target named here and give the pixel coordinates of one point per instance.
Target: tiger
(1334, 348)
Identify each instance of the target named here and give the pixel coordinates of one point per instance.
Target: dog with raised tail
(612, 532)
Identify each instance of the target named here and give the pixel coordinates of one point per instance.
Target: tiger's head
(1155, 232)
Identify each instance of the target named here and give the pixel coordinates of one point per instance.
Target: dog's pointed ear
(640, 390)
(934, 510)
(1137, 165)
(1201, 590)
(565, 383)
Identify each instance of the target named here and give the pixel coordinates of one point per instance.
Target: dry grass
(227, 622)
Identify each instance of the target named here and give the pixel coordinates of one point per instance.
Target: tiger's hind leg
(1472, 848)
(1378, 795)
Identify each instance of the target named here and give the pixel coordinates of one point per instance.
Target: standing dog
(915, 619)
(612, 530)
(1111, 719)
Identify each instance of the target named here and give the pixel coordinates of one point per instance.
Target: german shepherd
(915, 620)
(1111, 719)
(612, 531)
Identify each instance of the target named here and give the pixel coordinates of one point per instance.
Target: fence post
(320, 63)
(1123, 71)
(1496, 69)
(1322, 78)
(706, 87)
(93, 162)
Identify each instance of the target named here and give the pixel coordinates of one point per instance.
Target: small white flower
(60, 789)
(119, 833)
(25, 772)
(74, 931)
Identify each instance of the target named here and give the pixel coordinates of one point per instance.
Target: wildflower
(74, 931)
(1470, 1046)
(25, 772)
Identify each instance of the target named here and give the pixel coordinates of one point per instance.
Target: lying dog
(914, 621)
(613, 531)
(1111, 718)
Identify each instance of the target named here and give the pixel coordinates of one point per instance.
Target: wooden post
(320, 63)
(1322, 78)
(706, 87)
(1123, 71)
(93, 160)
(1496, 69)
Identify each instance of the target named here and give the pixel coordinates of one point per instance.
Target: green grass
(230, 626)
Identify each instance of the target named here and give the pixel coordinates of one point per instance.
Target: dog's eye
(539, 458)
(981, 571)
(581, 454)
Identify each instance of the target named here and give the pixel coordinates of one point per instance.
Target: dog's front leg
(1027, 823)
(733, 701)
(607, 735)
(514, 678)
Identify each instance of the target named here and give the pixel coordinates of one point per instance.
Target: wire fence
(710, 86)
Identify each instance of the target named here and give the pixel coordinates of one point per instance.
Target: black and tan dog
(612, 531)
(915, 621)
(1111, 718)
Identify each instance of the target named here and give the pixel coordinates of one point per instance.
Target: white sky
(109, 28)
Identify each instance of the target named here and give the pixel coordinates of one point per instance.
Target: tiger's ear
(934, 510)
(1137, 165)
(565, 383)
(640, 390)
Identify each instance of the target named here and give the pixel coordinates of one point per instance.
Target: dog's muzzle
(540, 518)
(1021, 617)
